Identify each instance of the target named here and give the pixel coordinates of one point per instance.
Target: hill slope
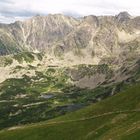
(116, 118)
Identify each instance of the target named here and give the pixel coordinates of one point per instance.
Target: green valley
(114, 118)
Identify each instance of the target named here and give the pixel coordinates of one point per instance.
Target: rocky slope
(91, 38)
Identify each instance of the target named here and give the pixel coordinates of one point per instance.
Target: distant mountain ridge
(90, 37)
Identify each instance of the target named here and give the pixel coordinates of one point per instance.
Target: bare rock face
(90, 38)
(92, 20)
(123, 16)
(41, 32)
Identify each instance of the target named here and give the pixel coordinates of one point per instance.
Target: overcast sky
(12, 10)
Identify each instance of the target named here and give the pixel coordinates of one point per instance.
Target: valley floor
(115, 118)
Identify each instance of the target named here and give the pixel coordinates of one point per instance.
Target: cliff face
(92, 38)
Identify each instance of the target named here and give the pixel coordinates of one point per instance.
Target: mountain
(39, 32)
(91, 38)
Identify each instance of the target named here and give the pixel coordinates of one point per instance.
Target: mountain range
(59, 35)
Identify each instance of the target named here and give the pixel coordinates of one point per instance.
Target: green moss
(39, 56)
(25, 56)
(8, 61)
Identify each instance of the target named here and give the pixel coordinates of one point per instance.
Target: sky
(13, 10)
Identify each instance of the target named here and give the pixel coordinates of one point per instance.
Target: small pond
(47, 96)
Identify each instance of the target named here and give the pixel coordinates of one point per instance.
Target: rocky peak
(123, 16)
(92, 20)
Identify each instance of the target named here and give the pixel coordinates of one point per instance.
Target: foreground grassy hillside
(115, 118)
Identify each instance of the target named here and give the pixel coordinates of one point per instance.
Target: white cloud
(26, 8)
